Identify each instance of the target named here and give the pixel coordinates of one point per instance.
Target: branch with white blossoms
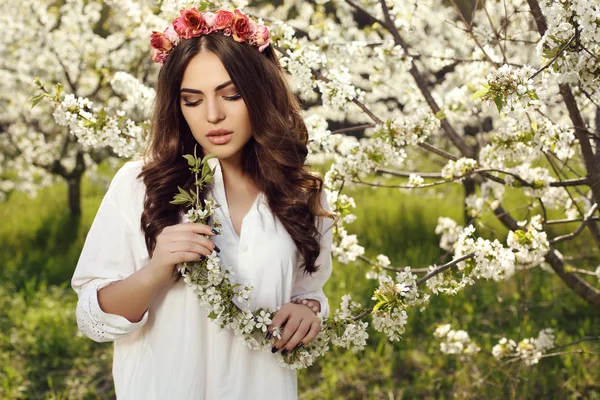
(94, 127)
(529, 350)
(455, 342)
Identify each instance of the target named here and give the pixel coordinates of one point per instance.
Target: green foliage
(42, 352)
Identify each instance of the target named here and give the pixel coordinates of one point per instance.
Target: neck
(232, 170)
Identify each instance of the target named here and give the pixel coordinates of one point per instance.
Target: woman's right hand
(179, 243)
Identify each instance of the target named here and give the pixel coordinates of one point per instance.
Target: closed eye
(229, 98)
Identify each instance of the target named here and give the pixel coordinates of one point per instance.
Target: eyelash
(229, 98)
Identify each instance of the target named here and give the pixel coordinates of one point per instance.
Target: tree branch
(571, 235)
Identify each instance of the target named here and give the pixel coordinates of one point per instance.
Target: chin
(222, 152)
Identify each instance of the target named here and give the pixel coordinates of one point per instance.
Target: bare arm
(131, 297)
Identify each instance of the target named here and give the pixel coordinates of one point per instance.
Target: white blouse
(175, 351)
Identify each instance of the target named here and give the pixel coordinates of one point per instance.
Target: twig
(443, 268)
(585, 221)
(553, 59)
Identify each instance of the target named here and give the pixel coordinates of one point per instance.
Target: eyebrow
(196, 91)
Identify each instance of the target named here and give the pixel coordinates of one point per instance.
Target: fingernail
(299, 345)
(274, 349)
(213, 230)
(269, 335)
(284, 351)
(202, 257)
(217, 249)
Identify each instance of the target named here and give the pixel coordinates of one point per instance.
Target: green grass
(43, 357)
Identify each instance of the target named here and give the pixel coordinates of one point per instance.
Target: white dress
(175, 351)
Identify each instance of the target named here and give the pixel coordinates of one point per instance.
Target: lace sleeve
(98, 325)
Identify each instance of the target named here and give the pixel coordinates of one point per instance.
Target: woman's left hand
(300, 327)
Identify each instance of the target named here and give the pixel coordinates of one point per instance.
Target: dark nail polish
(213, 230)
(202, 257)
(284, 351)
(269, 335)
(217, 249)
(299, 345)
(274, 349)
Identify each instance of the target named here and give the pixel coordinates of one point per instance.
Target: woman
(220, 87)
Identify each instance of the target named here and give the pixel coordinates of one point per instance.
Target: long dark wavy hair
(274, 157)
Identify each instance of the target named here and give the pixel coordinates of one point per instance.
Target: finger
(279, 319)
(315, 328)
(300, 334)
(193, 227)
(291, 326)
(191, 237)
(189, 247)
(186, 256)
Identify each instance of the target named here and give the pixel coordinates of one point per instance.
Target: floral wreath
(227, 302)
(193, 23)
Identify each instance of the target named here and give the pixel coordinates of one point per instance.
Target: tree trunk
(74, 184)
(469, 185)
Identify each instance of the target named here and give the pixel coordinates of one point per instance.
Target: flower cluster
(346, 332)
(408, 130)
(508, 87)
(529, 245)
(491, 260)
(193, 23)
(338, 91)
(450, 232)
(529, 350)
(572, 26)
(459, 168)
(393, 297)
(378, 269)
(345, 247)
(455, 342)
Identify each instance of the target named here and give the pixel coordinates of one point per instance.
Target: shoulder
(127, 175)
(125, 185)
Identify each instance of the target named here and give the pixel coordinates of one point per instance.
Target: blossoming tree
(503, 95)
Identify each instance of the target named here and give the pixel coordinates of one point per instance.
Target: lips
(218, 132)
(219, 136)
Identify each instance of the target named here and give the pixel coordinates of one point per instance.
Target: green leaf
(533, 95)
(36, 100)
(534, 125)
(183, 197)
(499, 102)
(480, 93)
(379, 305)
(440, 115)
(205, 169)
(212, 315)
(190, 159)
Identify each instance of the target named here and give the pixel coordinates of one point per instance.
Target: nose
(214, 112)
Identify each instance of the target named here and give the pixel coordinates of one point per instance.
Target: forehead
(204, 72)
